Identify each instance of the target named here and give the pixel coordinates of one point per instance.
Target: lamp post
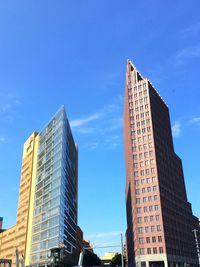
(122, 250)
(197, 244)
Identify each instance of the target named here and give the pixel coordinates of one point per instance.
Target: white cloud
(104, 126)
(176, 129)
(2, 138)
(88, 130)
(92, 146)
(106, 234)
(195, 120)
(83, 121)
(188, 52)
(192, 30)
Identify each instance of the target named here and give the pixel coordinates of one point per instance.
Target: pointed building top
(131, 67)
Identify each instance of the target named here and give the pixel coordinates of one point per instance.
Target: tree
(117, 260)
(90, 258)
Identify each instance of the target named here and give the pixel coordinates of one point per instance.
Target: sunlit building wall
(159, 216)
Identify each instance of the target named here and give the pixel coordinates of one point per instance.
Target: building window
(158, 228)
(138, 210)
(154, 188)
(135, 165)
(144, 199)
(143, 181)
(152, 228)
(134, 156)
(146, 219)
(147, 172)
(151, 153)
(145, 209)
(136, 182)
(148, 240)
(157, 217)
(142, 251)
(140, 230)
(146, 229)
(153, 239)
(149, 189)
(139, 219)
(161, 250)
(141, 240)
(151, 218)
(141, 164)
(134, 148)
(156, 207)
(137, 191)
(154, 179)
(152, 161)
(140, 148)
(154, 250)
(136, 174)
(155, 198)
(159, 238)
(148, 180)
(150, 198)
(145, 146)
(143, 190)
(142, 172)
(150, 208)
(148, 251)
(137, 200)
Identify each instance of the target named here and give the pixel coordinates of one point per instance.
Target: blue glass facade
(55, 204)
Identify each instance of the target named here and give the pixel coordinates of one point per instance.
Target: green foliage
(117, 260)
(90, 258)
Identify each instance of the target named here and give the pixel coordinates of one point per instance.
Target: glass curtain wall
(55, 204)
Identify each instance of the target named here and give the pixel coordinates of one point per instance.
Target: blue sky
(74, 53)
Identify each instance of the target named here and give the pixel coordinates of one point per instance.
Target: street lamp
(122, 250)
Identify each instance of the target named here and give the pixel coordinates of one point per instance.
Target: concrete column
(166, 263)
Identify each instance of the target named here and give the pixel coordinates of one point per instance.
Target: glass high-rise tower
(48, 198)
(55, 202)
(159, 216)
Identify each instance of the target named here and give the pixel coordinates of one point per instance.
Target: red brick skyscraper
(159, 217)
